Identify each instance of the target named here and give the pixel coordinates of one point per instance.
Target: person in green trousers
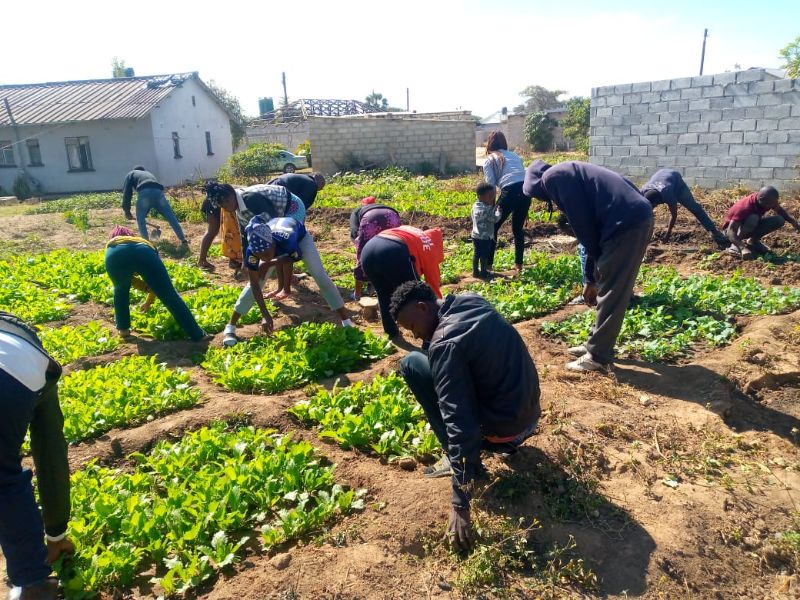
(134, 261)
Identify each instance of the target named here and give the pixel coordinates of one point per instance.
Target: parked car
(289, 163)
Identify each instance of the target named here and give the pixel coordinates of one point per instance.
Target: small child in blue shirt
(484, 216)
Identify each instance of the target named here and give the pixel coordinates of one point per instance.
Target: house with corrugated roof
(81, 136)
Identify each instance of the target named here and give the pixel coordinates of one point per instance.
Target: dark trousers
(516, 204)
(126, 260)
(387, 264)
(482, 255)
(21, 526)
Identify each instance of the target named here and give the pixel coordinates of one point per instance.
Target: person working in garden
(149, 195)
(29, 398)
(272, 243)
(478, 386)
(398, 255)
(224, 223)
(302, 185)
(668, 187)
(134, 261)
(504, 169)
(745, 223)
(274, 201)
(367, 221)
(484, 217)
(614, 222)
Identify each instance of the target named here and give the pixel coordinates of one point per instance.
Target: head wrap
(368, 200)
(120, 230)
(259, 235)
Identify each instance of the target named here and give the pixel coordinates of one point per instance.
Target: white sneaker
(577, 351)
(586, 364)
(230, 336)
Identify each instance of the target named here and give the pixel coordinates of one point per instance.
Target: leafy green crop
(79, 202)
(340, 267)
(382, 415)
(122, 393)
(458, 260)
(544, 285)
(292, 357)
(211, 307)
(186, 509)
(69, 343)
(677, 312)
(25, 299)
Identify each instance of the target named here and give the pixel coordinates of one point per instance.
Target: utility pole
(285, 96)
(703, 53)
(16, 134)
(408, 103)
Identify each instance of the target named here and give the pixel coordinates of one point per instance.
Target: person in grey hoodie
(614, 222)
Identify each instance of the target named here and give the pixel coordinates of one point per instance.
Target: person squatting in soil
(367, 221)
(29, 398)
(504, 169)
(477, 384)
(149, 196)
(745, 223)
(484, 217)
(134, 261)
(273, 201)
(398, 255)
(614, 223)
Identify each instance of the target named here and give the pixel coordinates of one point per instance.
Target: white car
(289, 163)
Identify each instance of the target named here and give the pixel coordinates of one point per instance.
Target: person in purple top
(367, 221)
(614, 222)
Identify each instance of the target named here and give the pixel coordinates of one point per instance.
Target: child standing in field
(484, 217)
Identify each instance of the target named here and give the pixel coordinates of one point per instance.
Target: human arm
(733, 233)
(458, 405)
(673, 216)
(127, 194)
(211, 232)
(789, 218)
(489, 170)
(355, 219)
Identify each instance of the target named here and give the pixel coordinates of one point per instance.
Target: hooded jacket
(137, 180)
(485, 380)
(670, 186)
(598, 203)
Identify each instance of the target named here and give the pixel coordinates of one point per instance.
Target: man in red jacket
(745, 223)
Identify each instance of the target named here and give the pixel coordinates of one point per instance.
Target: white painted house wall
(177, 113)
(115, 147)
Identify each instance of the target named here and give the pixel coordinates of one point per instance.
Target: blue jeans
(153, 198)
(21, 526)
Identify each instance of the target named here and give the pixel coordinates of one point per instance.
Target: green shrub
(258, 160)
(539, 130)
(23, 187)
(576, 123)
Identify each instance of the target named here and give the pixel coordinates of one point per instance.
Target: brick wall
(718, 130)
(336, 142)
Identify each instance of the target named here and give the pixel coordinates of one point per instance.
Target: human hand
(56, 549)
(144, 307)
(459, 529)
(590, 294)
(267, 325)
(747, 254)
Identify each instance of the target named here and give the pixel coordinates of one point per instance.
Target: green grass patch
(78, 202)
(67, 344)
(381, 416)
(293, 357)
(187, 509)
(120, 394)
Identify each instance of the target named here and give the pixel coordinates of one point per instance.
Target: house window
(6, 154)
(176, 145)
(194, 102)
(79, 155)
(34, 153)
(209, 151)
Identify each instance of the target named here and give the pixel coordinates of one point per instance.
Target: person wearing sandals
(29, 399)
(504, 169)
(745, 223)
(477, 384)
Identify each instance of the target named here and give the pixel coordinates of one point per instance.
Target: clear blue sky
(451, 54)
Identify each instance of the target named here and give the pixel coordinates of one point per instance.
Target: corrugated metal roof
(92, 100)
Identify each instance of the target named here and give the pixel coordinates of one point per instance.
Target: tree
(118, 68)
(234, 107)
(790, 54)
(539, 130)
(576, 122)
(538, 98)
(377, 100)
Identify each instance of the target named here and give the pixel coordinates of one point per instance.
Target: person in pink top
(745, 223)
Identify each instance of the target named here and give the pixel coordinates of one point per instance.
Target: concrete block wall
(449, 145)
(290, 135)
(717, 130)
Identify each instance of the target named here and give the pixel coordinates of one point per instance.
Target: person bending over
(745, 223)
(149, 196)
(273, 243)
(477, 384)
(302, 185)
(367, 221)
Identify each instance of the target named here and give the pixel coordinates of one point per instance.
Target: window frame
(176, 145)
(209, 148)
(29, 143)
(81, 141)
(7, 146)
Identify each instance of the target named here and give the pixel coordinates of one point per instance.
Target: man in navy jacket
(614, 222)
(478, 385)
